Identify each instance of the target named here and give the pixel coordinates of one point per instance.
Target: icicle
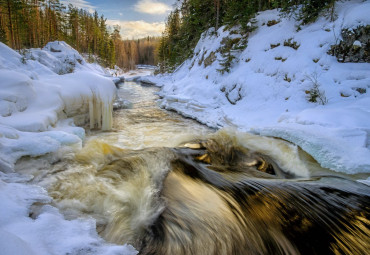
(91, 111)
(107, 108)
(100, 112)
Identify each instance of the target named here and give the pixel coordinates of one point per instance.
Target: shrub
(315, 95)
(291, 44)
(230, 46)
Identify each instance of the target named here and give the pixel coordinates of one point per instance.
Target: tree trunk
(217, 6)
(10, 24)
(16, 36)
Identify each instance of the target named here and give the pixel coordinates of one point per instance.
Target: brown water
(145, 124)
(169, 185)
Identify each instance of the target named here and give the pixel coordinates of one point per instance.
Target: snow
(356, 15)
(140, 73)
(44, 94)
(49, 232)
(367, 181)
(34, 100)
(267, 89)
(357, 43)
(62, 59)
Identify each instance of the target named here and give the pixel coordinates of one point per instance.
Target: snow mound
(8, 57)
(272, 81)
(61, 58)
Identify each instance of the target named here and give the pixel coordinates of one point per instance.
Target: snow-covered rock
(272, 81)
(47, 232)
(120, 103)
(61, 58)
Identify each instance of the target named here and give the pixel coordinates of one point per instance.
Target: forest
(33, 23)
(185, 24)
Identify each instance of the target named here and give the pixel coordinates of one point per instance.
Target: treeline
(33, 23)
(129, 53)
(192, 17)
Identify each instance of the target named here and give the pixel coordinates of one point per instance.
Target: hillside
(283, 84)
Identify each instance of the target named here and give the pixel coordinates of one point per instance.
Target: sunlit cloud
(138, 29)
(152, 7)
(82, 4)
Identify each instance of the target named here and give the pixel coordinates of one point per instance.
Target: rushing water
(145, 124)
(169, 185)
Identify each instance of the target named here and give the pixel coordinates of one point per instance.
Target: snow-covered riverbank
(44, 94)
(39, 104)
(269, 86)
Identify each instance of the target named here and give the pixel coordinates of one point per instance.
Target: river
(169, 185)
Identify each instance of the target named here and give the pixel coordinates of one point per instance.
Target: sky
(137, 18)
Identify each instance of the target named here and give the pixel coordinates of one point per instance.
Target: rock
(120, 103)
(145, 81)
(210, 59)
(272, 22)
(360, 90)
(118, 80)
(357, 44)
(354, 46)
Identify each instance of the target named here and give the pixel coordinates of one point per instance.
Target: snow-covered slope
(268, 88)
(39, 110)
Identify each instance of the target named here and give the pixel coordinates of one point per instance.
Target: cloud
(82, 4)
(138, 29)
(152, 7)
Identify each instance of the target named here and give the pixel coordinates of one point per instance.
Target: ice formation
(35, 99)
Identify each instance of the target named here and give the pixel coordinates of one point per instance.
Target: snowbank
(268, 88)
(45, 232)
(34, 100)
(39, 110)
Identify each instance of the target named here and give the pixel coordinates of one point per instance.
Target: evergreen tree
(111, 54)
(33, 23)
(185, 25)
(3, 38)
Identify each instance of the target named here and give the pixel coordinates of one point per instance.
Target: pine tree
(33, 23)
(111, 54)
(10, 8)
